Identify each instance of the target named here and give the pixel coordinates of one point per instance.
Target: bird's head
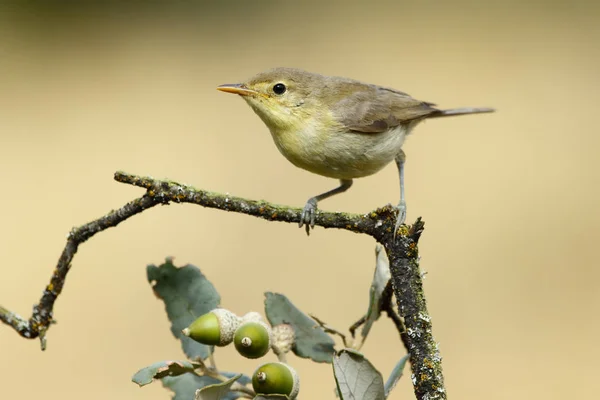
(284, 98)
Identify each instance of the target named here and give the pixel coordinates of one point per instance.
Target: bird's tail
(461, 111)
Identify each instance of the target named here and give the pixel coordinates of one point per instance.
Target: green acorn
(252, 339)
(276, 378)
(214, 328)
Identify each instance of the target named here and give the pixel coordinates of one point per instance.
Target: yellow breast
(335, 153)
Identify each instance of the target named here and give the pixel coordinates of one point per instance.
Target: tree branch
(402, 252)
(41, 318)
(169, 191)
(425, 359)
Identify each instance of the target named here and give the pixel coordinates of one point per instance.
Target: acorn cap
(252, 316)
(276, 378)
(283, 338)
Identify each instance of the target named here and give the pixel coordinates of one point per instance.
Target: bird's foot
(309, 213)
(401, 207)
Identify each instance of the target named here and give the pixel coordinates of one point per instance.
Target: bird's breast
(339, 154)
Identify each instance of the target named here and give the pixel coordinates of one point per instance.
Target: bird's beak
(237, 88)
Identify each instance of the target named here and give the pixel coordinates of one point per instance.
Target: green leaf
(217, 391)
(356, 378)
(161, 369)
(271, 397)
(185, 386)
(311, 340)
(381, 277)
(187, 295)
(395, 375)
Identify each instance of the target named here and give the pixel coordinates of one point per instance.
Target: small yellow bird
(336, 127)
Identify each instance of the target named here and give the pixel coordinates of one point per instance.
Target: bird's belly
(341, 155)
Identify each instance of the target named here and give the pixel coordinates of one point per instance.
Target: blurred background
(510, 200)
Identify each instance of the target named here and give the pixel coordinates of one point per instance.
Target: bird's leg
(400, 159)
(309, 212)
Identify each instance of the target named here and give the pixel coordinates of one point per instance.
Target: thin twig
(281, 357)
(330, 330)
(401, 250)
(245, 391)
(357, 325)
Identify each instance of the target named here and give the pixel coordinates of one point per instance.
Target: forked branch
(401, 250)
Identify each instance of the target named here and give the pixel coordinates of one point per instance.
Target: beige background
(510, 200)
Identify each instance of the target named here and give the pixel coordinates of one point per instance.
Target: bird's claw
(401, 218)
(309, 213)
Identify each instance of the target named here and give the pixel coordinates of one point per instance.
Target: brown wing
(376, 109)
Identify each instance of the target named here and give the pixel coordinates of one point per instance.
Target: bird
(337, 127)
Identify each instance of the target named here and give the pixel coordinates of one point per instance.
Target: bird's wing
(376, 109)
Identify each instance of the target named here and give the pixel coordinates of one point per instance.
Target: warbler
(337, 127)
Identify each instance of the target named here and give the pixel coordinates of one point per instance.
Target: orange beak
(237, 88)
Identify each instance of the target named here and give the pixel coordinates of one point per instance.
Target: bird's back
(367, 108)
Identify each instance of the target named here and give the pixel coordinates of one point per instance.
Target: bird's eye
(279, 88)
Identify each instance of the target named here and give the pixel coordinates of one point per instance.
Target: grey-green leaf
(217, 391)
(395, 375)
(271, 397)
(356, 378)
(161, 369)
(311, 340)
(184, 386)
(187, 294)
(381, 277)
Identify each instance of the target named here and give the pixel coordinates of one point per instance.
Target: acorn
(276, 378)
(216, 327)
(252, 339)
(283, 338)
